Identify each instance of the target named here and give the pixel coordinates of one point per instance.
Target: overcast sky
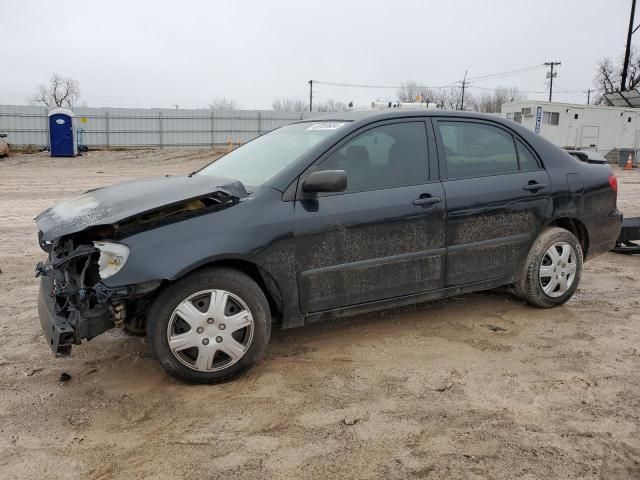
(160, 53)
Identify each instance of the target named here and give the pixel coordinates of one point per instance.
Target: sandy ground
(480, 386)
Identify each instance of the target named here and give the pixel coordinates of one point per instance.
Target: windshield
(257, 161)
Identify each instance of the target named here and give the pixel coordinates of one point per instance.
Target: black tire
(529, 286)
(227, 279)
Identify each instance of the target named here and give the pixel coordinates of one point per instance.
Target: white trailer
(611, 131)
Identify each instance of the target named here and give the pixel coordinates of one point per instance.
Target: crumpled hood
(116, 203)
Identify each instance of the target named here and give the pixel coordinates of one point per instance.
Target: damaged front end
(85, 241)
(74, 304)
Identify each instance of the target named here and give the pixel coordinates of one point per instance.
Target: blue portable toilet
(62, 133)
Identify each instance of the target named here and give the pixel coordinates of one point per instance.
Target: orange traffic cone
(629, 165)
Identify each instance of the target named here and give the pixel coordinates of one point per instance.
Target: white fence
(136, 127)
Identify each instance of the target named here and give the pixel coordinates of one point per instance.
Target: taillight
(613, 183)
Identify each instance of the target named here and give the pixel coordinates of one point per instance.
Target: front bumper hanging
(59, 333)
(70, 315)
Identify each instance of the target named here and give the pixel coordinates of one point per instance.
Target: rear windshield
(259, 160)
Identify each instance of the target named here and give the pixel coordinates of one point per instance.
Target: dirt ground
(479, 386)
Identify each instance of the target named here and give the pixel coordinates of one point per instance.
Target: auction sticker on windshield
(326, 126)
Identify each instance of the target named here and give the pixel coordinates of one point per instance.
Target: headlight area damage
(82, 238)
(74, 304)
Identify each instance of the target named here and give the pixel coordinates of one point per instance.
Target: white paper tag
(326, 126)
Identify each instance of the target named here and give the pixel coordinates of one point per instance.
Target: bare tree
(410, 91)
(60, 92)
(605, 79)
(289, 105)
(492, 102)
(451, 99)
(223, 103)
(609, 75)
(446, 98)
(332, 105)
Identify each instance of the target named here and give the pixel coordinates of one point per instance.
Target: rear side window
(383, 157)
(477, 149)
(527, 160)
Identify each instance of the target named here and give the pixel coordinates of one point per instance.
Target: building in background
(611, 131)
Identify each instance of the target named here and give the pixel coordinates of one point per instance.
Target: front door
(384, 236)
(497, 198)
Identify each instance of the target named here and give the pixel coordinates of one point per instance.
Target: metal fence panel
(24, 125)
(137, 127)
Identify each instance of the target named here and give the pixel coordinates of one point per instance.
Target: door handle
(533, 186)
(426, 199)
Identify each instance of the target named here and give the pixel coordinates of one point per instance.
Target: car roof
(374, 115)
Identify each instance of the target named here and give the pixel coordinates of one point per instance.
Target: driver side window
(383, 157)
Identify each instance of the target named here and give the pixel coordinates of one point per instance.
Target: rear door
(497, 198)
(384, 236)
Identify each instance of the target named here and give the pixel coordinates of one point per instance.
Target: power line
(506, 74)
(464, 84)
(525, 91)
(478, 78)
(551, 75)
(337, 84)
(497, 88)
(344, 93)
(582, 93)
(324, 93)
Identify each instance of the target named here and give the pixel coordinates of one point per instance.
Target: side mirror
(325, 181)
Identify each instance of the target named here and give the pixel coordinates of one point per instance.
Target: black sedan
(320, 219)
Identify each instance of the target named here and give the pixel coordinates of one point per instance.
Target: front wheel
(553, 269)
(209, 327)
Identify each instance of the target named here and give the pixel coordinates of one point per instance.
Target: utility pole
(588, 96)
(464, 84)
(310, 95)
(627, 52)
(551, 75)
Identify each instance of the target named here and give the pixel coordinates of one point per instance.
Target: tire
(542, 269)
(205, 315)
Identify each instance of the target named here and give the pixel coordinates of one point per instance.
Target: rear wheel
(209, 327)
(553, 269)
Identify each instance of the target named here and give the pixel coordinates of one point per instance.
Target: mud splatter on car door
(382, 238)
(497, 199)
